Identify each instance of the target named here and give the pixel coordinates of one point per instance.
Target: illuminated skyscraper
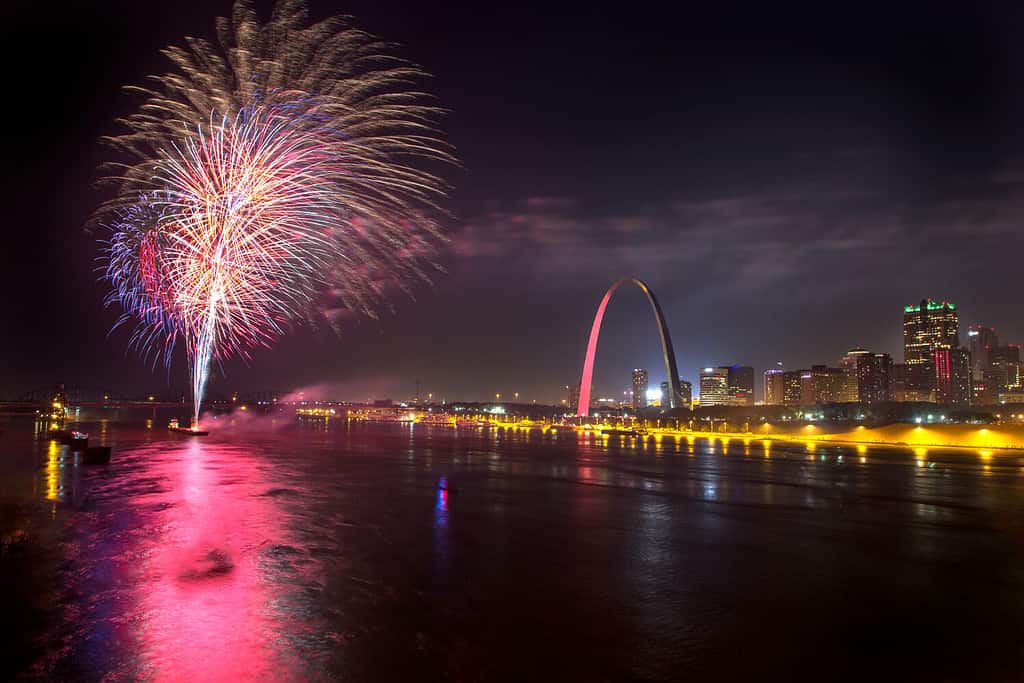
(855, 364)
(979, 340)
(574, 396)
(741, 385)
(1004, 367)
(867, 377)
(899, 382)
(685, 393)
(714, 386)
(927, 327)
(639, 388)
(774, 387)
(791, 387)
(821, 384)
(952, 376)
(879, 385)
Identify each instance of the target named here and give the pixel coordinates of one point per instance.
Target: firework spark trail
(274, 179)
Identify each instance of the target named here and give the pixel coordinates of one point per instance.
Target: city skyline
(625, 393)
(896, 185)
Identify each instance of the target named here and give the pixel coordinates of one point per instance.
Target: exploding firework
(272, 179)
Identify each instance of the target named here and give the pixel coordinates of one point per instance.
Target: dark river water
(281, 550)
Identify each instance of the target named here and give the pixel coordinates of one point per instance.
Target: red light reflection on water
(207, 607)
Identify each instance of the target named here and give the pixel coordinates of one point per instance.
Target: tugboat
(191, 431)
(78, 441)
(620, 432)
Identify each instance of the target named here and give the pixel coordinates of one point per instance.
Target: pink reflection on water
(207, 609)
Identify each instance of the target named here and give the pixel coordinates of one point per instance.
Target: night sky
(786, 177)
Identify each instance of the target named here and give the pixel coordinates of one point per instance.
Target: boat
(189, 430)
(78, 440)
(620, 432)
(174, 426)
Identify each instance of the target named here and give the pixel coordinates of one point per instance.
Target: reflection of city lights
(52, 474)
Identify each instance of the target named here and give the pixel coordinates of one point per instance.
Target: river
(276, 549)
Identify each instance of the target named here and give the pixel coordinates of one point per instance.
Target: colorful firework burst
(273, 179)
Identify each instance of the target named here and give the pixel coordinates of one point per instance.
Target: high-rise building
(899, 382)
(927, 327)
(979, 340)
(995, 368)
(984, 391)
(574, 396)
(791, 387)
(714, 386)
(952, 376)
(774, 387)
(867, 377)
(1004, 366)
(878, 388)
(685, 393)
(855, 365)
(741, 385)
(821, 384)
(639, 388)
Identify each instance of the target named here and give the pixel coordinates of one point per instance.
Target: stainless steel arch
(595, 330)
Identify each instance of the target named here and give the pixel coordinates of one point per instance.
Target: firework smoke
(273, 178)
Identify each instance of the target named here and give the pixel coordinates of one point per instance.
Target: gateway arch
(666, 346)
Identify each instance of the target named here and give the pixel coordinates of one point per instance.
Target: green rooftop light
(931, 306)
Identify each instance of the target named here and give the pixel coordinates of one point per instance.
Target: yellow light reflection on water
(52, 471)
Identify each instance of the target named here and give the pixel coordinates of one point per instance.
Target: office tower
(774, 387)
(995, 368)
(714, 386)
(867, 377)
(1003, 362)
(927, 326)
(979, 340)
(952, 376)
(879, 385)
(685, 393)
(984, 391)
(821, 384)
(791, 385)
(574, 396)
(899, 382)
(856, 364)
(639, 388)
(741, 385)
